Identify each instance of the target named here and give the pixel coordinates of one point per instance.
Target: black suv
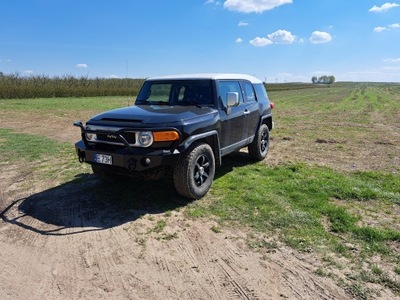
(183, 123)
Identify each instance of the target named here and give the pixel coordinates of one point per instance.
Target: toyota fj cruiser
(182, 123)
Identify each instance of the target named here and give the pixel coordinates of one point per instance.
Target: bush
(40, 86)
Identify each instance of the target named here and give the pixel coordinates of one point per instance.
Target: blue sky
(275, 40)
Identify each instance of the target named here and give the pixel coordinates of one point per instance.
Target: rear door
(250, 109)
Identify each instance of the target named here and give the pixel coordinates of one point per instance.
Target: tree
(331, 79)
(323, 79)
(314, 79)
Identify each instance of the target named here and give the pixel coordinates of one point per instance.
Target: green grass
(66, 104)
(294, 200)
(47, 158)
(26, 147)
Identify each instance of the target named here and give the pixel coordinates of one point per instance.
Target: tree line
(40, 86)
(323, 79)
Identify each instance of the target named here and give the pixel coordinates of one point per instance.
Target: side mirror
(232, 99)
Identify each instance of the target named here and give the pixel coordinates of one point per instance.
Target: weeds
(216, 229)
(159, 226)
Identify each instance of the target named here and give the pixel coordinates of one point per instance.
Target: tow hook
(131, 165)
(81, 156)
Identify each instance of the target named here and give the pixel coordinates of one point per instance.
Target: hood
(152, 114)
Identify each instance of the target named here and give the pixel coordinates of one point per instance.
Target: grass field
(329, 187)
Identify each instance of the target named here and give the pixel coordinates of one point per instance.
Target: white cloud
(379, 29)
(391, 69)
(320, 37)
(383, 8)
(238, 40)
(277, 37)
(114, 76)
(82, 66)
(391, 26)
(395, 25)
(216, 3)
(243, 23)
(372, 75)
(260, 42)
(392, 60)
(253, 6)
(282, 37)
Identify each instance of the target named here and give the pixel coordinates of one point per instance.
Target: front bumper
(140, 160)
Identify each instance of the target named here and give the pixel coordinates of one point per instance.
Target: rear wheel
(194, 172)
(258, 149)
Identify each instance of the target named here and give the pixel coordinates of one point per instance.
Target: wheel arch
(211, 138)
(267, 120)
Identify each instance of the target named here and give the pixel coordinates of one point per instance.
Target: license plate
(103, 159)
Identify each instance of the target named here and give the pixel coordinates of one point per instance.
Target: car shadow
(89, 204)
(231, 162)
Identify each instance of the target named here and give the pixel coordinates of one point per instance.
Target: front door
(233, 124)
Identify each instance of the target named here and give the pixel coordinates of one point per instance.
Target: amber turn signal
(165, 136)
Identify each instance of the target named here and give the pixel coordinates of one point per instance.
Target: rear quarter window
(260, 92)
(249, 91)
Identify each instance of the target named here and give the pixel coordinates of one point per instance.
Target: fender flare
(201, 136)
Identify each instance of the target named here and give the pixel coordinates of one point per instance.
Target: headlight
(145, 138)
(90, 136)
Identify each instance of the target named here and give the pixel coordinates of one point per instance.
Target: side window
(181, 93)
(249, 91)
(225, 87)
(261, 92)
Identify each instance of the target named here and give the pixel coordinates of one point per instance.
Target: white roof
(215, 76)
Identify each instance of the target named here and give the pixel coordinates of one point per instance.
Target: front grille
(112, 138)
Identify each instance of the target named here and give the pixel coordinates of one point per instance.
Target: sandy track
(65, 243)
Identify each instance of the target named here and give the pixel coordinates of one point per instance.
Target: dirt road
(66, 242)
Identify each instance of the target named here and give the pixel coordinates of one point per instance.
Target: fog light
(146, 162)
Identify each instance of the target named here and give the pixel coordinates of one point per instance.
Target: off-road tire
(194, 172)
(258, 149)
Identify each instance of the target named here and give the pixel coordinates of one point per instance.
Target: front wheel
(258, 149)
(194, 172)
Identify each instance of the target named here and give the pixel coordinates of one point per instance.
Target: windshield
(176, 92)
